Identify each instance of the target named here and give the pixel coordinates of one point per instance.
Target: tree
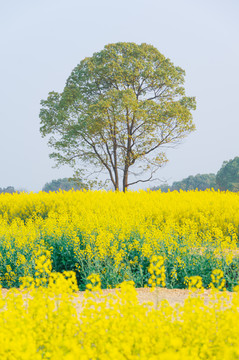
(118, 110)
(228, 176)
(63, 184)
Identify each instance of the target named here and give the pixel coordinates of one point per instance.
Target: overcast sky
(42, 41)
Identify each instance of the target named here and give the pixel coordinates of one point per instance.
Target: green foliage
(228, 176)
(199, 181)
(63, 184)
(117, 110)
(180, 263)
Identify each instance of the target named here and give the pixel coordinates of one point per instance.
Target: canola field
(52, 245)
(115, 235)
(43, 323)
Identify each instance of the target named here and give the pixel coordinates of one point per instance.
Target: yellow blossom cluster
(218, 280)
(157, 272)
(194, 282)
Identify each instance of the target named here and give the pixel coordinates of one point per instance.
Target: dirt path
(173, 296)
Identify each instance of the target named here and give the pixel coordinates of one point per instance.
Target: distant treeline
(199, 181)
(63, 184)
(8, 189)
(227, 178)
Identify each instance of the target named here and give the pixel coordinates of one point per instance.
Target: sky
(42, 41)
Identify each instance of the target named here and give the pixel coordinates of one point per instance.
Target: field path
(173, 296)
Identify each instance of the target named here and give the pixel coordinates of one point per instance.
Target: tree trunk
(125, 179)
(115, 159)
(116, 184)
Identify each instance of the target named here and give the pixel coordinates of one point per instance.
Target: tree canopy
(228, 176)
(62, 184)
(117, 112)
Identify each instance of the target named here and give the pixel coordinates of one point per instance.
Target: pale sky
(42, 41)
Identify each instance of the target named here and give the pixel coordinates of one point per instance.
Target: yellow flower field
(43, 323)
(53, 244)
(116, 234)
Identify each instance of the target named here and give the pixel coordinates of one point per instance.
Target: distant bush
(8, 189)
(199, 181)
(63, 184)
